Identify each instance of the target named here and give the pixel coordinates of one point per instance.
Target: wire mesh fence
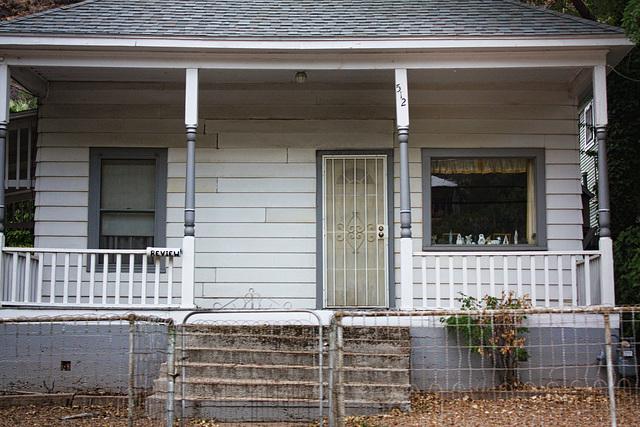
(515, 366)
(511, 367)
(83, 362)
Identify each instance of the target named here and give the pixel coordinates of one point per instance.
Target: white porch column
(406, 245)
(5, 94)
(189, 239)
(5, 80)
(607, 291)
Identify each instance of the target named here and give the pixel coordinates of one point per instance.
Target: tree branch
(583, 10)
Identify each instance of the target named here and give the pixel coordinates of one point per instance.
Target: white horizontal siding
(256, 163)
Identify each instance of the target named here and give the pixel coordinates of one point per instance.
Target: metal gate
(252, 366)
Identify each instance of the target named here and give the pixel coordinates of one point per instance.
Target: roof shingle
(304, 19)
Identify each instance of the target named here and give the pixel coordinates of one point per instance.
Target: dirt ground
(429, 409)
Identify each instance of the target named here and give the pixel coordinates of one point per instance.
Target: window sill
(483, 248)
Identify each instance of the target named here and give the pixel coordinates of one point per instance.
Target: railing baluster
(65, 282)
(532, 264)
(452, 291)
(105, 277)
(424, 282)
(519, 274)
(79, 279)
(438, 282)
(478, 278)
(118, 271)
(465, 276)
(547, 302)
(156, 287)
(27, 277)
(505, 272)
(170, 280)
(492, 276)
(92, 279)
(574, 280)
(14, 278)
(40, 277)
(131, 276)
(54, 268)
(587, 279)
(144, 280)
(560, 282)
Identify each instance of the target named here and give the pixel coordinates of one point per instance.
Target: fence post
(132, 327)
(336, 373)
(171, 374)
(610, 377)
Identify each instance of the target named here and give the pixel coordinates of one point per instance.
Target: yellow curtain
(468, 166)
(531, 203)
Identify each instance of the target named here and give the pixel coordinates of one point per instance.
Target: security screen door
(355, 231)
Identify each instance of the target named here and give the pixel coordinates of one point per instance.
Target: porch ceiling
(563, 75)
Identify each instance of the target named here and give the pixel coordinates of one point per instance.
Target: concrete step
(270, 410)
(296, 358)
(362, 374)
(215, 389)
(295, 343)
(270, 373)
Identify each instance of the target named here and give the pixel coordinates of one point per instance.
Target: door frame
(391, 288)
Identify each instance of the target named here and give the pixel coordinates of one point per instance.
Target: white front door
(355, 241)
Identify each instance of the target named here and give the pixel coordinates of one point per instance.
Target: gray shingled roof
(287, 19)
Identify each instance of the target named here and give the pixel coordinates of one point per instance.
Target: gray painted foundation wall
(34, 357)
(559, 357)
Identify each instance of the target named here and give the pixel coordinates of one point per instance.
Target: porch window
(483, 199)
(127, 198)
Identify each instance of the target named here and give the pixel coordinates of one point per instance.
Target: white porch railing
(550, 279)
(87, 278)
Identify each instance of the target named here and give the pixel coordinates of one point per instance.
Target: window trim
(537, 154)
(589, 132)
(96, 155)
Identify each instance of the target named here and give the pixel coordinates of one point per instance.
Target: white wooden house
(338, 153)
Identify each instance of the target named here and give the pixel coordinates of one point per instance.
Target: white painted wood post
(189, 239)
(406, 244)
(5, 90)
(607, 290)
(5, 78)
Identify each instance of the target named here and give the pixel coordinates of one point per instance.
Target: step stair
(271, 373)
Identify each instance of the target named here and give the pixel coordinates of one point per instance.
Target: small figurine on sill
(459, 240)
(434, 239)
(468, 239)
(506, 240)
(481, 240)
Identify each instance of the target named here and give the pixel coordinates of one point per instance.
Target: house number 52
(403, 100)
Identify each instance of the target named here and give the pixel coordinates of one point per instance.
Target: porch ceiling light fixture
(301, 77)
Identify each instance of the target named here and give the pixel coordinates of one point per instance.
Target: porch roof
(305, 19)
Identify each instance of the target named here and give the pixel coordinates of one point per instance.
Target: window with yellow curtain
(485, 201)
